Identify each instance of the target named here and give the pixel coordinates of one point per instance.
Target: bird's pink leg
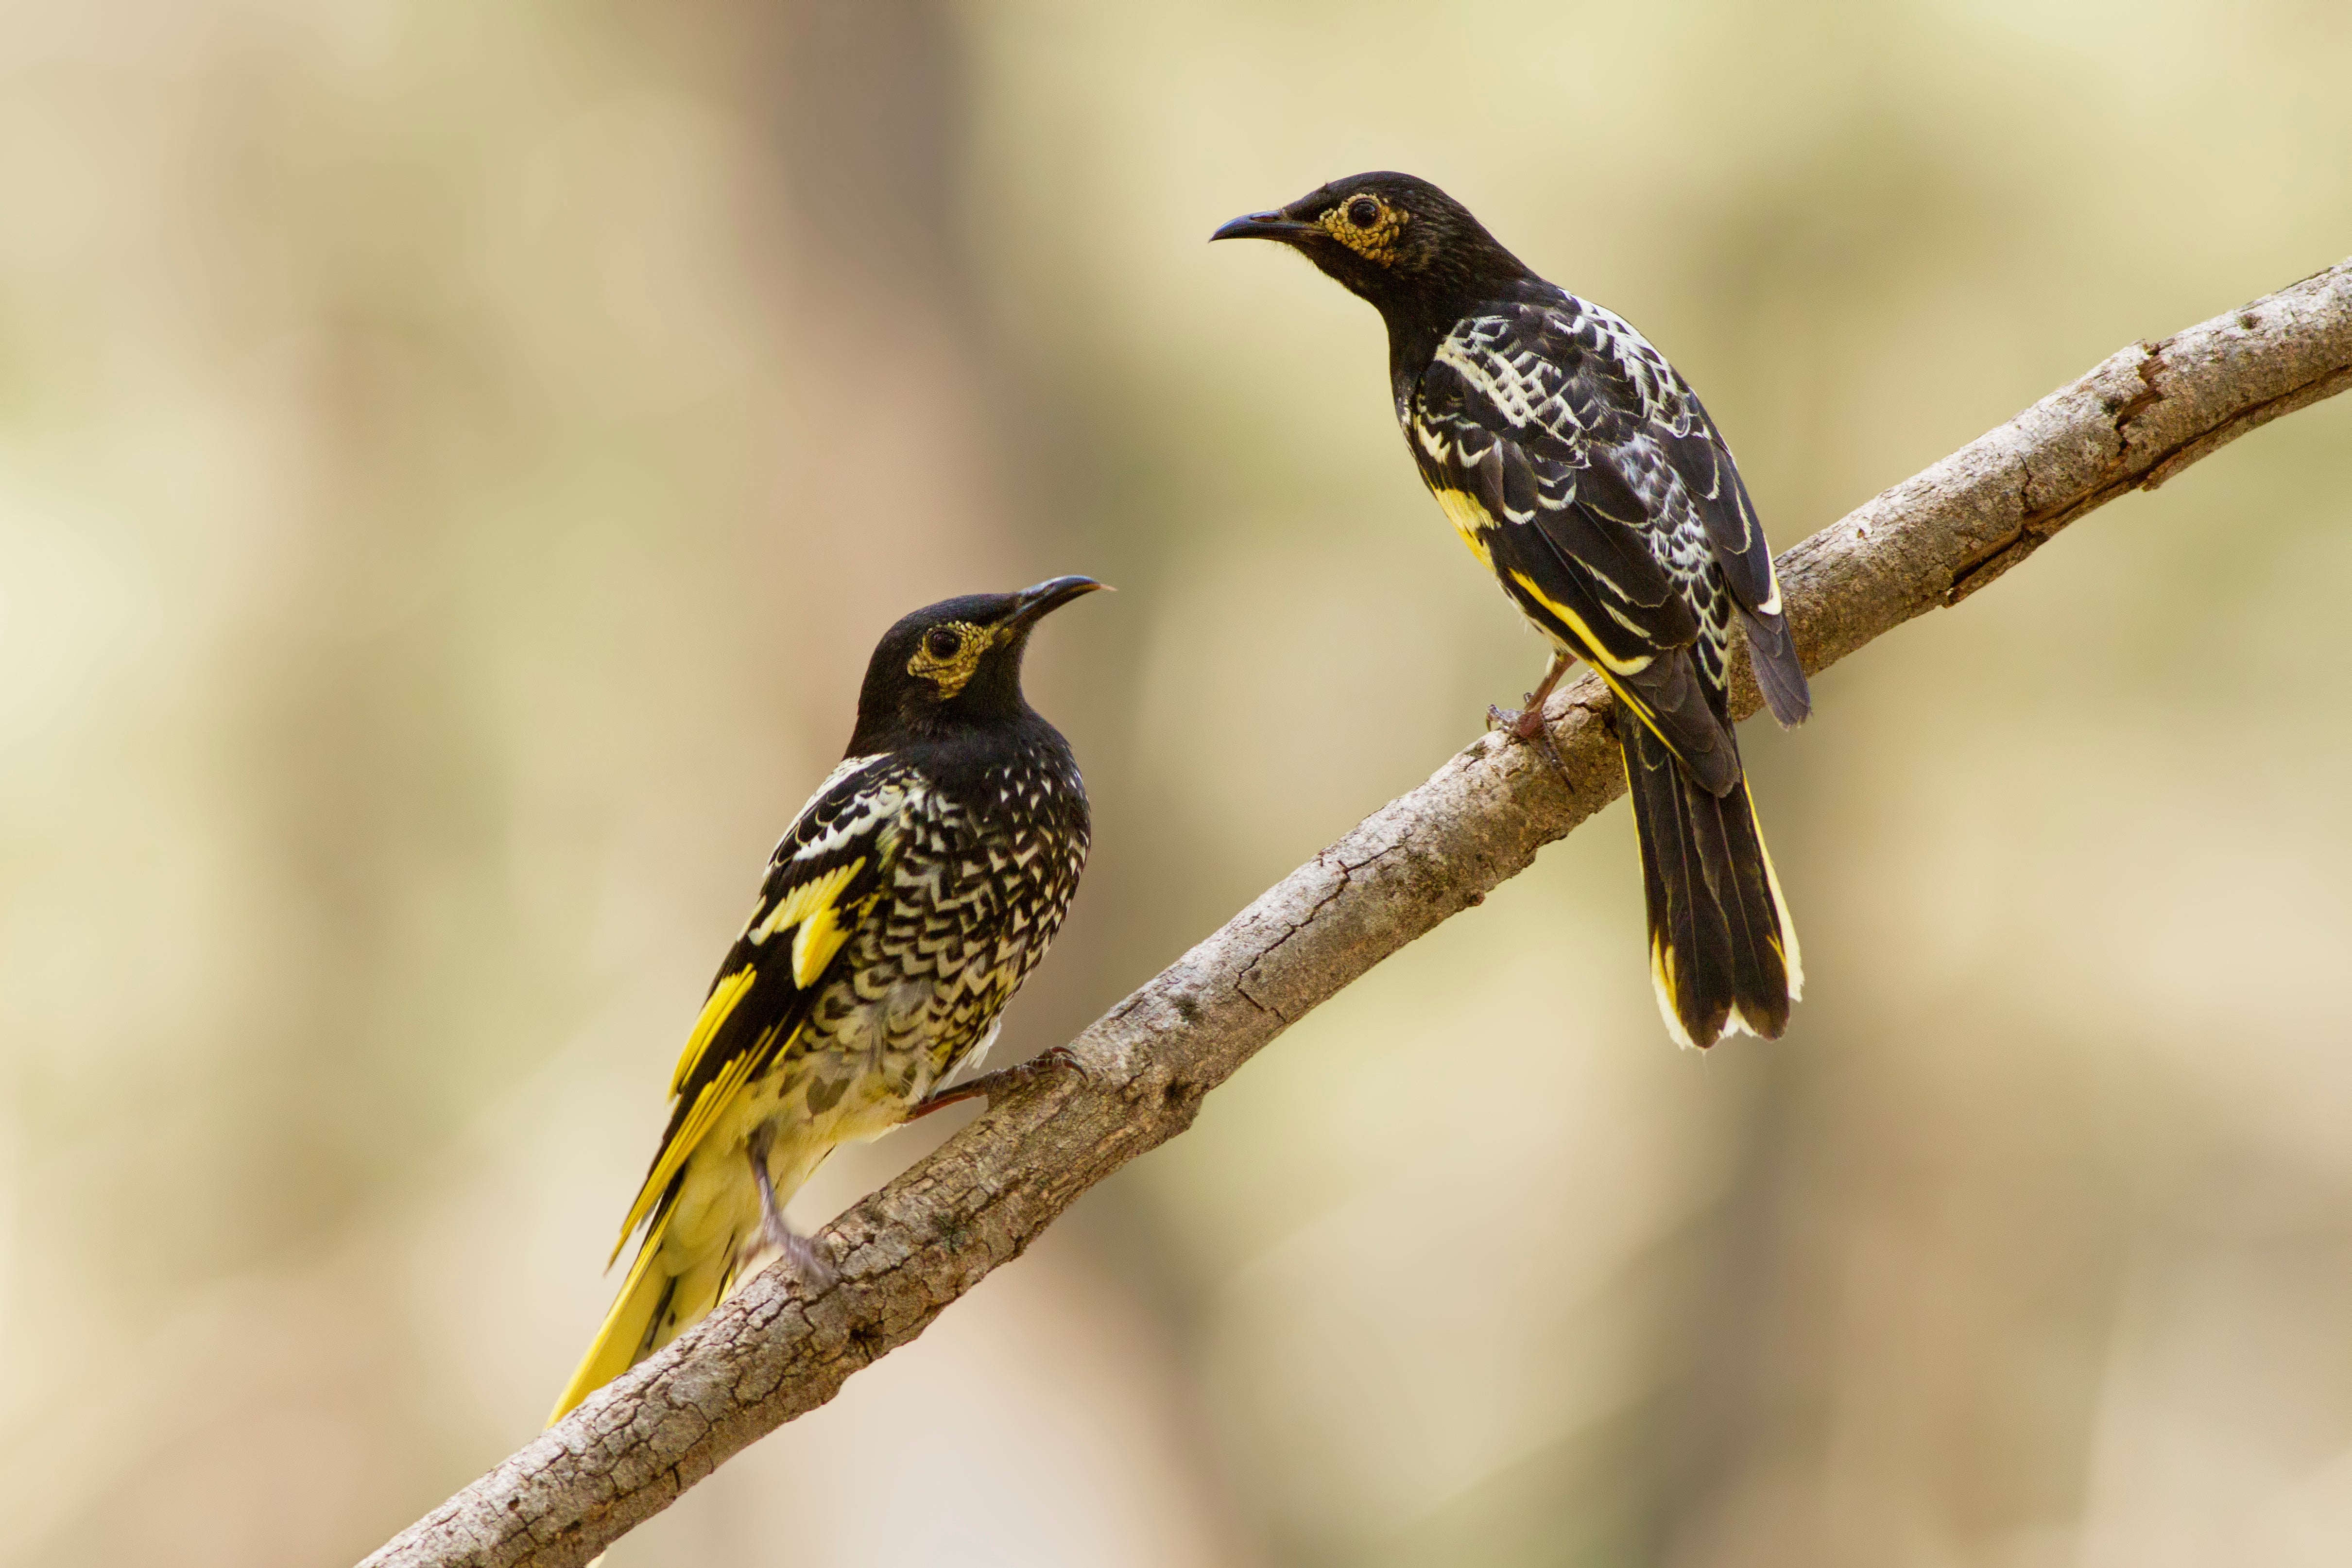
(1528, 723)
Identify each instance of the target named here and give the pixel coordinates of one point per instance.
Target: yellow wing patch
(811, 906)
(1469, 519)
(708, 1107)
(1593, 648)
(819, 939)
(729, 990)
(811, 897)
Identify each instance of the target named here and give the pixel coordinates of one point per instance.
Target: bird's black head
(955, 665)
(1397, 241)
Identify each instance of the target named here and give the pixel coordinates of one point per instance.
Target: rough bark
(775, 1352)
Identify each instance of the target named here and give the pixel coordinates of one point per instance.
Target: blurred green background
(455, 460)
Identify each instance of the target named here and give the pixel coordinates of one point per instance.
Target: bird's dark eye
(1363, 212)
(943, 643)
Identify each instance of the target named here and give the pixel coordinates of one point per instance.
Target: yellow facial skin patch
(952, 673)
(1375, 241)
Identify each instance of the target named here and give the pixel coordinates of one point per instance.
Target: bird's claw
(1520, 723)
(802, 1255)
(1526, 726)
(1060, 1057)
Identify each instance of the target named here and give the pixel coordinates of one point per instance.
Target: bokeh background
(455, 458)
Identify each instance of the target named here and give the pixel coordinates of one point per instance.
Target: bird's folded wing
(1492, 425)
(1543, 441)
(1651, 426)
(1701, 460)
(824, 879)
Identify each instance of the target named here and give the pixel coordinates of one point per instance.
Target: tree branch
(772, 1354)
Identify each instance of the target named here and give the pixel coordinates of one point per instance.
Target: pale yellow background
(453, 460)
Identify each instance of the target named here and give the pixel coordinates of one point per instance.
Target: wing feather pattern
(827, 872)
(1579, 465)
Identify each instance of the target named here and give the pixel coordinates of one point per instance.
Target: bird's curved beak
(1276, 224)
(1031, 603)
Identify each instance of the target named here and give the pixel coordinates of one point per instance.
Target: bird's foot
(801, 1253)
(1520, 723)
(1526, 726)
(989, 1085)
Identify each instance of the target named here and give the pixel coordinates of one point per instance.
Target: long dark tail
(1723, 952)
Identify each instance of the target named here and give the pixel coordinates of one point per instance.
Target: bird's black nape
(1394, 240)
(955, 665)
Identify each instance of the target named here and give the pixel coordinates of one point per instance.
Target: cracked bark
(773, 1352)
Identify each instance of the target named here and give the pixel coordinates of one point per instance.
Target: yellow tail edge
(616, 1343)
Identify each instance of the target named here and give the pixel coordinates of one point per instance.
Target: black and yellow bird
(900, 912)
(1580, 469)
